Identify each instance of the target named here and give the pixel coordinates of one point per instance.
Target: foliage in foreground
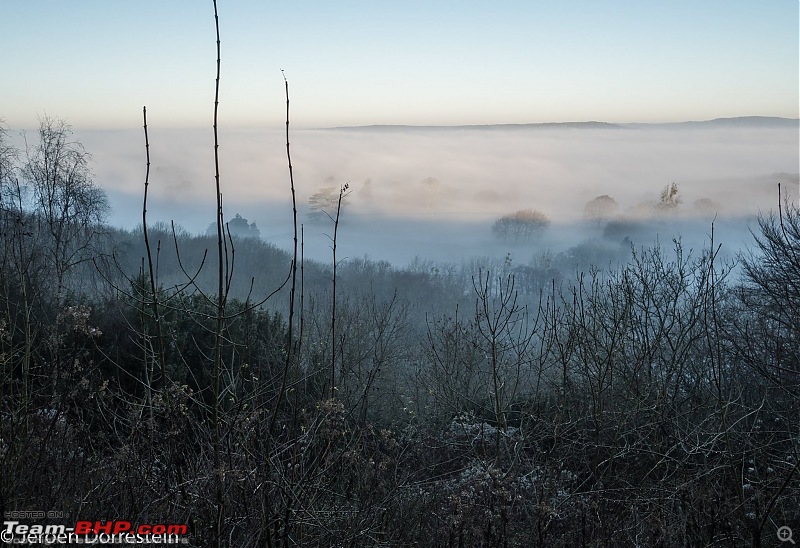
(654, 405)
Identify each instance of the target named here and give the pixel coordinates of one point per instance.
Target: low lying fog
(434, 193)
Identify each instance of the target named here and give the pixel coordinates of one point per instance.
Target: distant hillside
(544, 125)
(741, 121)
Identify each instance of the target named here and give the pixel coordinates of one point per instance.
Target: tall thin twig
(153, 292)
(342, 191)
(220, 308)
(290, 351)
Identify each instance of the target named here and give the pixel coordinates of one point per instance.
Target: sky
(97, 62)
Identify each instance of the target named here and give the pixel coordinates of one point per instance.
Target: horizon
(551, 123)
(617, 123)
(365, 64)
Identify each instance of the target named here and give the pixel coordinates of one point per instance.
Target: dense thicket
(654, 403)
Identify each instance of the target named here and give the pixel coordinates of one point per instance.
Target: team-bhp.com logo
(94, 532)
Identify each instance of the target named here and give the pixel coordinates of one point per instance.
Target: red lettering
(83, 527)
(121, 527)
(177, 529)
(100, 527)
(159, 529)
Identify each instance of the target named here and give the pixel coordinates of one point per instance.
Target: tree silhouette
(600, 209)
(324, 203)
(69, 207)
(521, 225)
(669, 200)
(239, 227)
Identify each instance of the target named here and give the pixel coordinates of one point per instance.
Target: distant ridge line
(739, 121)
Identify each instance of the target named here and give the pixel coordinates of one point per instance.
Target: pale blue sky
(96, 62)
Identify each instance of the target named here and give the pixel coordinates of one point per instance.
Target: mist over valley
(434, 192)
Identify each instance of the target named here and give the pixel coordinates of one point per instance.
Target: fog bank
(435, 192)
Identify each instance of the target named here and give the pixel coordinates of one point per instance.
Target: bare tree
(70, 208)
(8, 156)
